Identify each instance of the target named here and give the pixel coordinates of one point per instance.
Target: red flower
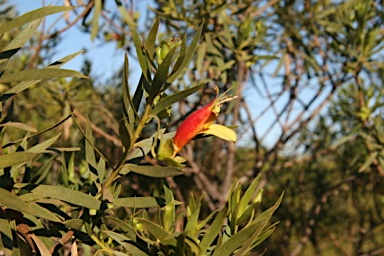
(201, 121)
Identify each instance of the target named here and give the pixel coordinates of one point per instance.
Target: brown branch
(62, 241)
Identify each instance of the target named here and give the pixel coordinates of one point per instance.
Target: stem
(135, 136)
(97, 241)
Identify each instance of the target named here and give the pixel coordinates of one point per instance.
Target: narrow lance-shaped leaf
(20, 126)
(39, 74)
(44, 145)
(15, 45)
(42, 173)
(64, 194)
(17, 158)
(33, 15)
(140, 202)
(169, 100)
(245, 199)
(214, 230)
(162, 74)
(95, 21)
(188, 56)
(139, 51)
(26, 84)
(132, 248)
(151, 40)
(158, 232)
(127, 100)
(154, 171)
(12, 201)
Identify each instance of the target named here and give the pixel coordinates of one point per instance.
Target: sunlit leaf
(154, 171)
(39, 74)
(169, 100)
(17, 158)
(188, 56)
(33, 15)
(20, 126)
(64, 194)
(140, 202)
(132, 248)
(95, 21)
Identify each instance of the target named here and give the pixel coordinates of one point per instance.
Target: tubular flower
(201, 122)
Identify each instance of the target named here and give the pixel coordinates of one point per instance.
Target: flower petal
(220, 131)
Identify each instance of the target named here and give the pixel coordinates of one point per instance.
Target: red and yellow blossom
(201, 122)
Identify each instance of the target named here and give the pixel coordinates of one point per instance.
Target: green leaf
(62, 61)
(117, 253)
(194, 247)
(130, 246)
(16, 89)
(169, 100)
(191, 226)
(17, 158)
(39, 74)
(368, 161)
(12, 201)
(158, 232)
(124, 13)
(151, 39)
(31, 197)
(63, 194)
(139, 51)
(43, 213)
(214, 230)
(33, 15)
(25, 84)
(138, 94)
(42, 173)
(154, 171)
(169, 213)
(127, 101)
(15, 45)
(246, 198)
(95, 21)
(162, 74)
(181, 57)
(188, 56)
(44, 145)
(236, 241)
(6, 235)
(20, 126)
(124, 227)
(140, 202)
(74, 223)
(124, 134)
(101, 169)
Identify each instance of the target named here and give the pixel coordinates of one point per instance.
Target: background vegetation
(309, 72)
